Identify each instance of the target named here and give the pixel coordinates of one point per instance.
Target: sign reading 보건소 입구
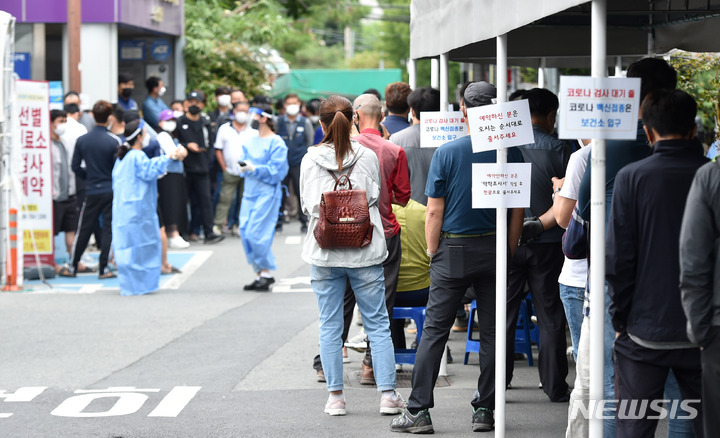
(438, 128)
(36, 213)
(500, 126)
(496, 185)
(598, 107)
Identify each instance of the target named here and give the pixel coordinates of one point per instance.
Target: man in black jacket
(97, 148)
(700, 283)
(642, 267)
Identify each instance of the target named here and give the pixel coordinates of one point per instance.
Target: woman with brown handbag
(320, 170)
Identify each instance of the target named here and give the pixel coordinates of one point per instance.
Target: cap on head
(197, 95)
(479, 94)
(369, 105)
(166, 114)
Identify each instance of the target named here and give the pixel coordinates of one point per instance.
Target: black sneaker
(251, 286)
(409, 423)
(213, 238)
(263, 284)
(482, 420)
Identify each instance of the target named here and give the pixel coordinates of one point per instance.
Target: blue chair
(417, 314)
(525, 333)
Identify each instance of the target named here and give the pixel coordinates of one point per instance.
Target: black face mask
(255, 124)
(194, 110)
(126, 92)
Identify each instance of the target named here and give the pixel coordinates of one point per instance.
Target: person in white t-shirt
(228, 151)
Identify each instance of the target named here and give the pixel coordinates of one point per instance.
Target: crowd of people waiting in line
(430, 247)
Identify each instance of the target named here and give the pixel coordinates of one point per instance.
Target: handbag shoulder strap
(342, 179)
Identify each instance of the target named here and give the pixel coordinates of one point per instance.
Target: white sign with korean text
(598, 107)
(500, 126)
(438, 128)
(36, 212)
(497, 185)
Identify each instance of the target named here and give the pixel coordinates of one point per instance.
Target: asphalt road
(203, 358)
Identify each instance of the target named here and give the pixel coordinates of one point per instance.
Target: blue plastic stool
(417, 314)
(525, 333)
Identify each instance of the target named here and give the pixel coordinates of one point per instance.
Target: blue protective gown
(261, 198)
(135, 227)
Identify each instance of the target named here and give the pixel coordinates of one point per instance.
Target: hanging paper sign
(438, 128)
(496, 185)
(500, 126)
(598, 107)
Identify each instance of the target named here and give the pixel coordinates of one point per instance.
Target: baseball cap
(368, 104)
(166, 114)
(196, 94)
(479, 94)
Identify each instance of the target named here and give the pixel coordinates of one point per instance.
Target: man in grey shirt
(421, 99)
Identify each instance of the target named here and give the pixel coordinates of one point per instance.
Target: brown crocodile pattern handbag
(344, 217)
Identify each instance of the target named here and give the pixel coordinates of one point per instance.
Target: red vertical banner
(36, 209)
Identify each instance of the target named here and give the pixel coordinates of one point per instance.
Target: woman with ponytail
(333, 268)
(264, 165)
(136, 234)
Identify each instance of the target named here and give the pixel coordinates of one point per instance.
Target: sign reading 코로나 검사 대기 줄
(500, 126)
(438, 128)
(598, 107)
(496, 185)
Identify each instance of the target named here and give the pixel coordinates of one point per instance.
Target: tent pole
(597, 231)
(541, 72)
(412, 73)
(444, 82)
(434, 73)
(501, 261)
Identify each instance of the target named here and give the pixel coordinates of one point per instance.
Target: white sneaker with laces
(358, 342)
(392, 404)
(178, 242)
(335, 407)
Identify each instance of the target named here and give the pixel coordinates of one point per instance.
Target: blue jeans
(609, 371)
(572, 298)
(369, 287)
(677, 427)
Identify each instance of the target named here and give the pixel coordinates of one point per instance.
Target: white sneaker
(336, 407)
(358, 342)
(178, 242)
(217, 230)
(393, 404)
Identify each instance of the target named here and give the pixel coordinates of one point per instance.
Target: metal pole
(74, 22)
(412, 73)
(501, 261)
(541, 73)
(597, 230)
(434, 73)
(618, 66)
(444, 82)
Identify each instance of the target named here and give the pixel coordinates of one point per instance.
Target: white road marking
(285, 285)
(175, 401)
(192, 265)
(293, 240)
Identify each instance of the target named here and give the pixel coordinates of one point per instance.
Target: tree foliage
(698, 75)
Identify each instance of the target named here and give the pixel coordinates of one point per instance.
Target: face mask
(60, 129)
(314, 119)
(162, 91)
(223, 100)
(169, 125)
(146, 140)
(194, 110)
(127, 92)
(241, 117)
(255, 124)
(110, 126)
(292, 110)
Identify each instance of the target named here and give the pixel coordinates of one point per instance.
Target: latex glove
(532, 228)
(248, 167)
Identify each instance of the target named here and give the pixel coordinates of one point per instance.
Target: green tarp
(309, 84)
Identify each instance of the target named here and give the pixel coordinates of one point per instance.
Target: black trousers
(710, 357)
(539, 265)
(93, 207)
(457, 265)
(198, 188)
(640, 374)
(293, 177)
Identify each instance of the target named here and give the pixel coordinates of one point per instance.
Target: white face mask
(146, 139)
(162, 91)
(241, 117)
(169, 125)
(292, 110)
(223, 100)
(60, 129)
(314, 119)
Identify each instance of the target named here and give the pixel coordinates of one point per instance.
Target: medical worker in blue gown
(136, 230)
(264, 166)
